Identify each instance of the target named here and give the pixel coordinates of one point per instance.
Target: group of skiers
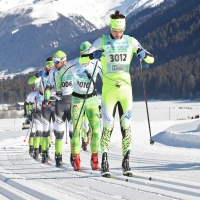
(65, 90)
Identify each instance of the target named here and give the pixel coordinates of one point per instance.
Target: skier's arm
(137, 48)
(32, 79)
(59, 80)
(88, 55)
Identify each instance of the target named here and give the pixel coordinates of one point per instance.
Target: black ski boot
(105, 166)
(31, 149)
(40, 150)
(44, 157)
(58, 159)
(72, 160)
(36, 154)
(125, 166)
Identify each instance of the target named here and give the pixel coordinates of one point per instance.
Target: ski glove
(97, 54)
(141, 53)
(41, 73)
(59, 95)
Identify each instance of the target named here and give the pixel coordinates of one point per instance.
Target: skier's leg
(125, 113)
(38, 134)
(84, 132)
(92, 111)
(75, 141)
(108, 109)
(46, 117)
(52, 120)
(59, 127)
(31, 137)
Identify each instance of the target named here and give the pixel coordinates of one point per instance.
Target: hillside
(172, 36)
(170, 33)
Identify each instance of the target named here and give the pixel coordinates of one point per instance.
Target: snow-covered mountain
(31, 30)
(96, 12)
(4, 74)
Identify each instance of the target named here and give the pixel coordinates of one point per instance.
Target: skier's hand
(46, 104)
(59, 96)
(41, 73)
(141, 53)
(98, 54)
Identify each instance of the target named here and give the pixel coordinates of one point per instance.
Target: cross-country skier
(47, 111)
(27, 114)
(64, 82)
(84, 78)
(116, 91)
(48, 108)
(35, 100)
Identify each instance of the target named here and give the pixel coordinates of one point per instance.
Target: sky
(172, 162)
(45, 11)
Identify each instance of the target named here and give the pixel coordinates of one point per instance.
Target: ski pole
(91, 80)
(29, 130)
(144, 89)
(27, 134)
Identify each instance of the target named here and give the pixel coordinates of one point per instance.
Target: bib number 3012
(118, 57)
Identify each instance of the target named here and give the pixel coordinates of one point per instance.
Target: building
(19, 106)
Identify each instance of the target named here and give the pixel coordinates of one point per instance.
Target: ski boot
(84, 145)
(77, 162)
(44, 157)
(58, 159)
(36, 154)
(72, 160)
(105, 166)
(31, 149)
(94, 162)
(125, 166)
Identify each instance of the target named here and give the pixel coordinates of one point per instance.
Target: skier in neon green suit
(119, 50)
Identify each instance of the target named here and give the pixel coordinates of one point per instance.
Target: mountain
(172, 36)
(170, 31)
(31, 30)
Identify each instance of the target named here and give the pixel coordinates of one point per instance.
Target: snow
(4, 75)
(45, 11)
(173, 161)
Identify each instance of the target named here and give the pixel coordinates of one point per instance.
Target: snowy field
(173, 162)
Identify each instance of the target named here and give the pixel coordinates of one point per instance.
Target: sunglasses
(117, 31)
(56, 62)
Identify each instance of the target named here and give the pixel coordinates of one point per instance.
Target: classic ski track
(12, 192)
(52, 185)
(160, 183)
(144, 180)
(157, 166)
(62, 188)
(68, 171)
